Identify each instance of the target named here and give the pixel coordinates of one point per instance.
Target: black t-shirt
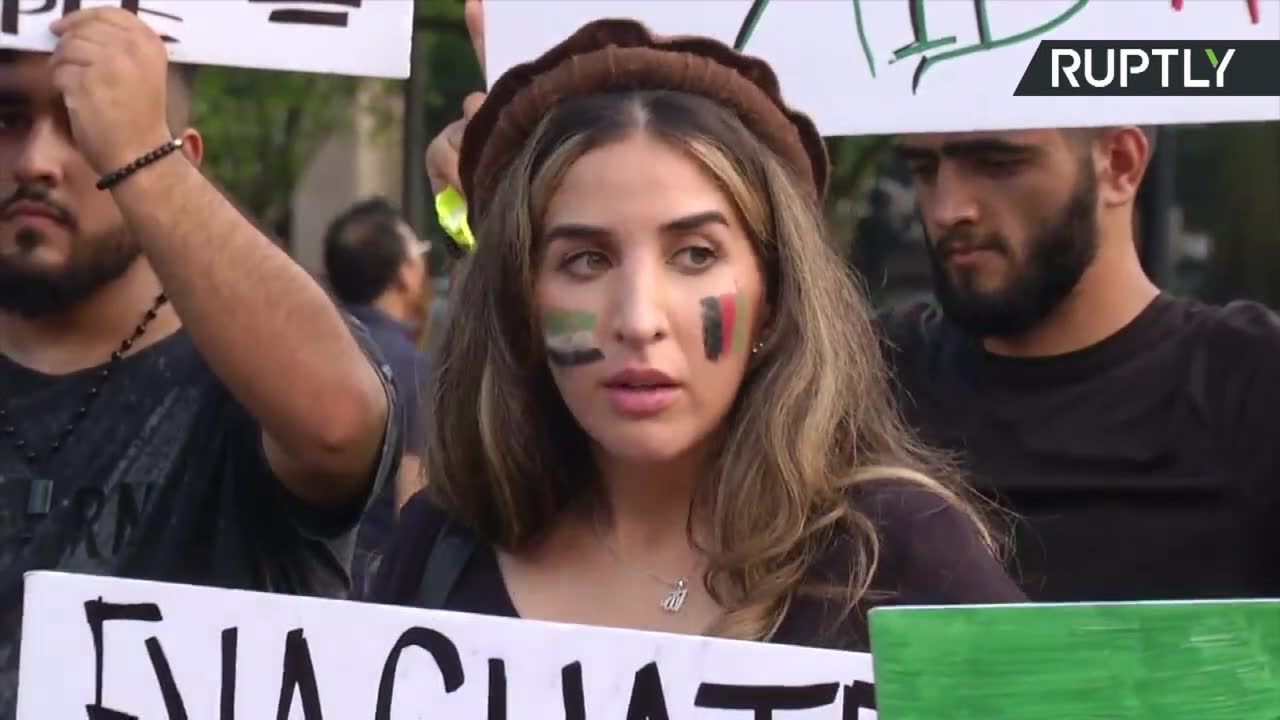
(929, 555)
(164, 479)
(1141, 468)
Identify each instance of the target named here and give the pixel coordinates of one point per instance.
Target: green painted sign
(1216, 660)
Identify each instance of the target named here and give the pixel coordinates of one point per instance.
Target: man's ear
(1122, 154)
(404, 277)
(192, 145)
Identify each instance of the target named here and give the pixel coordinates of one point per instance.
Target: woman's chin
(645, 447)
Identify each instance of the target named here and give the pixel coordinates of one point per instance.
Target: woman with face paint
(660, 402)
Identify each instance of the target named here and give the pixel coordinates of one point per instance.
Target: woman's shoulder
(932, 549)
(423, 512)
(400, 571)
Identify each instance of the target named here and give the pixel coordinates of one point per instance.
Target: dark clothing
(929, 554)
(1143, 467)
(164, 479)
(409, 366)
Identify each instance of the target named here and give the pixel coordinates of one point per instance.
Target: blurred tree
(1229, 186)
(260, 127)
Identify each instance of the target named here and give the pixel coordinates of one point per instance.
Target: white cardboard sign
(341, 37)
(835, 58)
(90, 642)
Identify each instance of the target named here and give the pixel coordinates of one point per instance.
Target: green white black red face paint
(724, 324)
(570, 337)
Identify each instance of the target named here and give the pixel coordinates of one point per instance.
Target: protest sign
(1184, 660)
(153, 650)
(888, 66)
(341, 37)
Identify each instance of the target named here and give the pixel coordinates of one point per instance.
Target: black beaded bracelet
(114, 177)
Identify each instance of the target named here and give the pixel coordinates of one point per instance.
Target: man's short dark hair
(363, 251)
(1086, 135)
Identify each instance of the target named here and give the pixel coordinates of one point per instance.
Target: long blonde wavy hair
(813, 419)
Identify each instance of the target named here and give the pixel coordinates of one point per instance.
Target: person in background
(659, 384)
(179, 400)
(1129, 429)
(376, 268)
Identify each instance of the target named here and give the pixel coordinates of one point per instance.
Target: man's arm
(265, 328)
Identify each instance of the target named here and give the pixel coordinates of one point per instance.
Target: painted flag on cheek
(723, 328)
(570, 337)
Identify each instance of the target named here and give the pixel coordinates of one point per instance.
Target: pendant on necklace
(674, 600)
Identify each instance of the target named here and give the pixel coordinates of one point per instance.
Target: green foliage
(260, 128)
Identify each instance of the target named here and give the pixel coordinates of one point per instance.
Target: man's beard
(92, 264)
(1057, 256)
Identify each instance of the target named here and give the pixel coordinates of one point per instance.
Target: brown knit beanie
(611, 55)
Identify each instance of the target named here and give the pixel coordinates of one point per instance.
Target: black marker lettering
(9, 13)
(168, 688)
(298, 673)
(497, 689)
(9, 10)
(764, 699)
(575, 704)
(442, 651)
(9, 17)
(325, 18)
(97, 612)
(230, 636)
(647, 699)
(857, 696)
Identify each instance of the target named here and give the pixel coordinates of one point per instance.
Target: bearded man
(1127, 429)
(179, 400)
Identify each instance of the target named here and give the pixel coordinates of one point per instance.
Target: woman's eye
(696, 257)
(586, 263)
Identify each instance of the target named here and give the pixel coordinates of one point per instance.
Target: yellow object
(451, 209)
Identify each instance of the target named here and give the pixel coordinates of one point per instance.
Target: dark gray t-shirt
(165, 479)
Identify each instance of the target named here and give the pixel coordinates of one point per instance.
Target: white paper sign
(211, 650)
(835, 58)
(341, 37)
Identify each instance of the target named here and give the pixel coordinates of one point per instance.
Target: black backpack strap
(449, 555)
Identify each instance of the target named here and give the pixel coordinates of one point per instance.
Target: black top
(930, 554)
(164, 479)
(1144, 467)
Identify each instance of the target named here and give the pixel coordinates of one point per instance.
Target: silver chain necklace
(677, 591)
